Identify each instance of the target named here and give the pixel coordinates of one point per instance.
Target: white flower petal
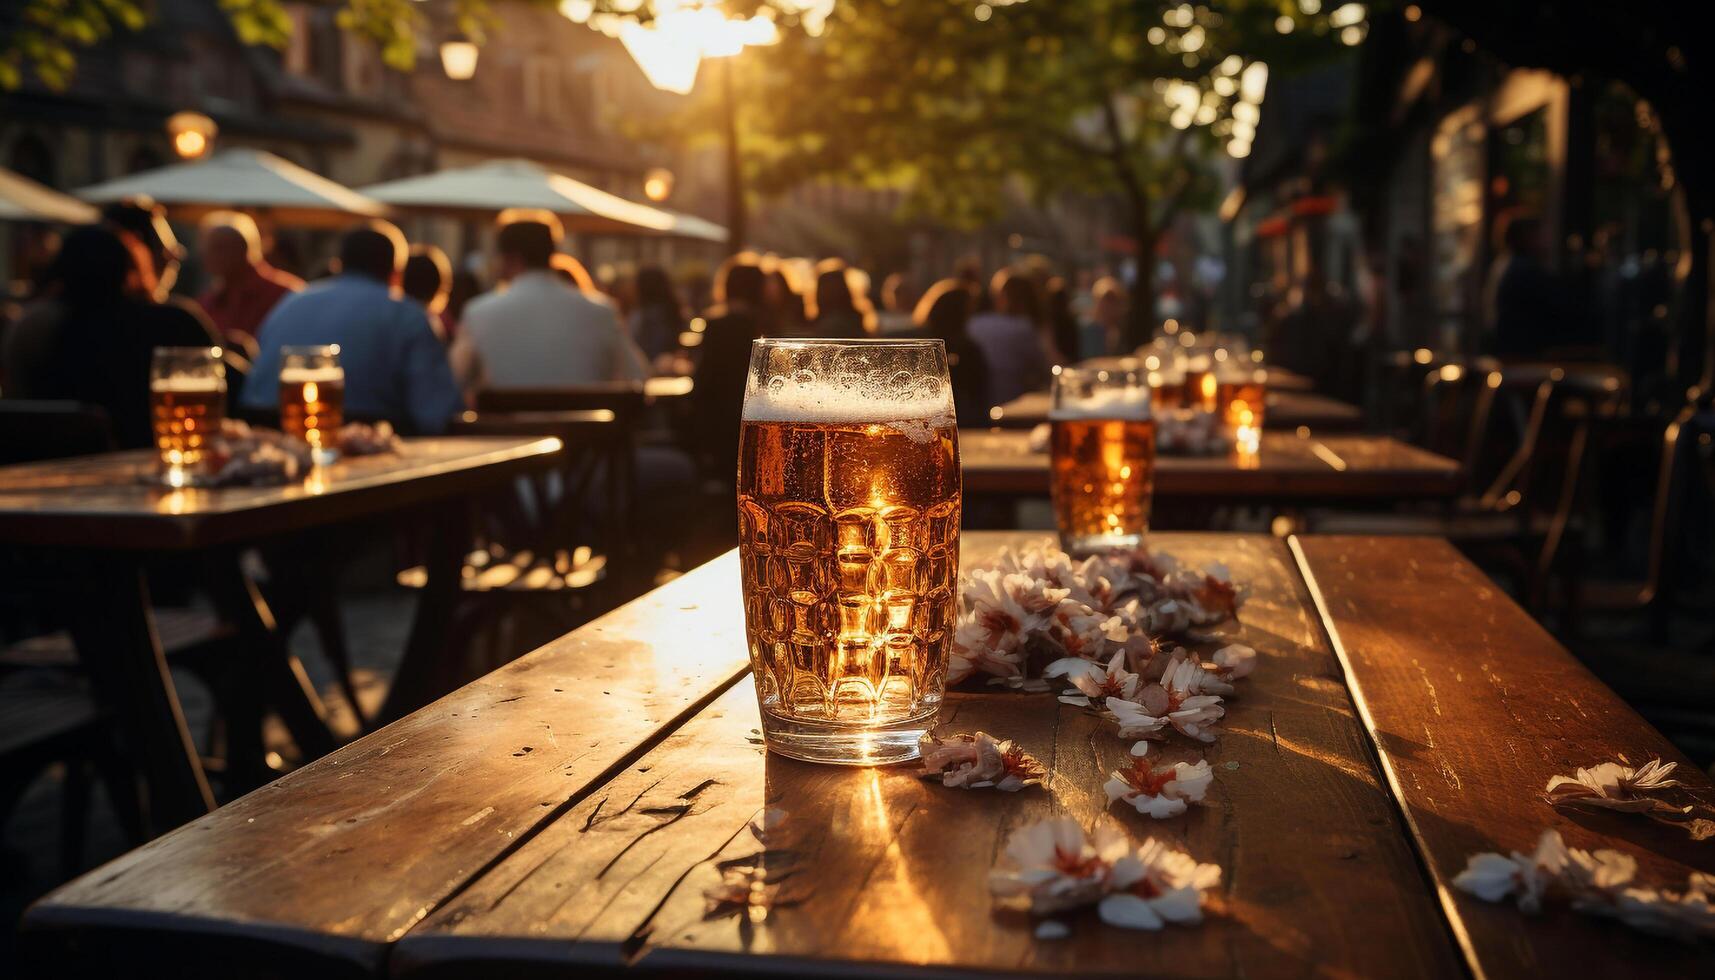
(1128, 912)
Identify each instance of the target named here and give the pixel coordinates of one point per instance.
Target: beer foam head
(1104, 403)
(187, 385)
(320, 375)
(901, 399)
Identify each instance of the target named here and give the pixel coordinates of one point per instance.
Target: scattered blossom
(1493, 877)
(1616, 786)
(1159, 793)
(980, 761)
(1055, 865)
(749, 889)
(1133, 720)
(1093, 680)
(1597, 883)
(1233, 661)
(1036, 605)
(1155, 885)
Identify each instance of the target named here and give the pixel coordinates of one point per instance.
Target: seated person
(395, 366)
(541, 331)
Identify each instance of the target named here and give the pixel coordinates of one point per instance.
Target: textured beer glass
(187, 403)
(1102, 457)
(312, 397)
(848, 509)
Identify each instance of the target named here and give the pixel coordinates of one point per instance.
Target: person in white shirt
(539, 331)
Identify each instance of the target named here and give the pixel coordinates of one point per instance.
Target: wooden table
(1287, 410)
(104, 511)
(564, 814)
(1286, 469)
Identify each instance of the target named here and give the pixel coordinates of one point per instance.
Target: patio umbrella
(486, 189)
(242, 179)
(22, 199)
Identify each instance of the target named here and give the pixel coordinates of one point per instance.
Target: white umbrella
(22, 199)
(250, 180)
(488, 188)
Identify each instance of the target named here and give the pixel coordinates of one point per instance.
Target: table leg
(270, 676)
(424, 673)
(117, 642)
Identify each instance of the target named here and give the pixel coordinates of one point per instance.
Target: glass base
(1083, 545)
(845, 745)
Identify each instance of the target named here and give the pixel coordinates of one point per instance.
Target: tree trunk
(1140, 318)
(737, 215)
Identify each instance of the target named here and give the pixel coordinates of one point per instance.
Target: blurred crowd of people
(420, 336)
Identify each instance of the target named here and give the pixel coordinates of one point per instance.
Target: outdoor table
(106, 512)
(565, 813)
(1287, 410)
(1287, 468)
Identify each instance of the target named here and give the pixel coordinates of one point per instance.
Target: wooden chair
(1648, 592)
(49, 718)
(546, 553)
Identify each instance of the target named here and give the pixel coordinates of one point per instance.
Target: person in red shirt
(245, 286)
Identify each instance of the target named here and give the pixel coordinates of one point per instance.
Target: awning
(484, 190)
(247, 180)
(22, 199)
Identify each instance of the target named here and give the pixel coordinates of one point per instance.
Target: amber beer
(848, 506)
(1103, 461)
(187, 403)
(1239, 402)
(187, 412)
(312, 405)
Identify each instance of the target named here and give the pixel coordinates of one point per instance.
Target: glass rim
(204, 350)
(309, 350)
(1138, 374)
(878, 342)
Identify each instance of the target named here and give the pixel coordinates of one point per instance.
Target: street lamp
(192, 133)
(458, 60)
(658, 184)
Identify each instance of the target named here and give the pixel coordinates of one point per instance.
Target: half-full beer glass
(187, 402)
(848, 509)
(1102, 457)
(312, 397)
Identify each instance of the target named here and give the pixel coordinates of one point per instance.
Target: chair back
(31, 431)
(624, 399)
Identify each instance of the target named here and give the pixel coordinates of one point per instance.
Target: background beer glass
(187, 401)
(1102, 457)
(312, 397)
(848, 507)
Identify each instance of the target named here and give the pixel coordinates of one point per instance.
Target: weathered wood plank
(893, 870)
(1473, 706)
(326, 867)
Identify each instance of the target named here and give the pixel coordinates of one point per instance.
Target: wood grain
(106, 501)
(1287, 410)
(323, 869)
(1473, 706)
(1287, 468)
(892, 870)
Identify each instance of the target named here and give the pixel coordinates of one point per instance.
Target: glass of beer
(187, 402)
(1240, 402)
(1200, 385)
(312, 398)
(848, 510)
(1102, 458)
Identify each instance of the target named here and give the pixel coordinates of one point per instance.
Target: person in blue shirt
(395, 366)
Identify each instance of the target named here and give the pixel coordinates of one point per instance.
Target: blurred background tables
(103, 516)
